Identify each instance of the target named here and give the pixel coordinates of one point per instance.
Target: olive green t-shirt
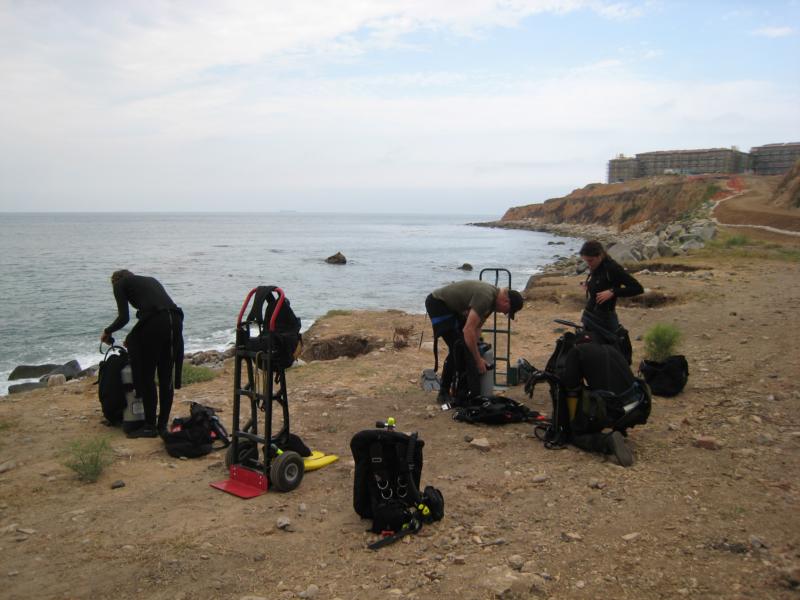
(462, 296)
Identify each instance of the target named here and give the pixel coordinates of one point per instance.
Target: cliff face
(654, 200)
(787, 194)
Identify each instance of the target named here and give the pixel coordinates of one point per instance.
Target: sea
(56, 296)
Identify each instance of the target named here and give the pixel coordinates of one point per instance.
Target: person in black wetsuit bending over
(154, 344)
(597, 367)
(606, 282)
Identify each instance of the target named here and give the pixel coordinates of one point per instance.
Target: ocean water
(55, 294)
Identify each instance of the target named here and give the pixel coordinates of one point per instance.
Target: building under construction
(762, 160)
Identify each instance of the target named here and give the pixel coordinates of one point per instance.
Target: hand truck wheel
(286, 471)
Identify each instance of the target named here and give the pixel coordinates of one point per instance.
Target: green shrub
(660, 341)
(736, 240)
(194, 374)
(337, 313)
(89, 457)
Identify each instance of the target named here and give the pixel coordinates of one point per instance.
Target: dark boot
(615, 444)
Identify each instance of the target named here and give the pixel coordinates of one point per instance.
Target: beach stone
(30, 371)
(481, 444)
(69, 370)
(506, 584)
(466, 267)
(336, 259)
(54, 380)
(707, 442)
(25, 387)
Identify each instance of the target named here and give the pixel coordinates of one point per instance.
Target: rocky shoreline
(637, 244)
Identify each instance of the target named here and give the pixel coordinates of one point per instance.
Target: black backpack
(388, 466)
(667, 378)
(110, 389)
(495, 410)
(196, 435)
(284, 341)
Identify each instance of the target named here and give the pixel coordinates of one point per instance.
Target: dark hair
(118, 275)
(592, 248)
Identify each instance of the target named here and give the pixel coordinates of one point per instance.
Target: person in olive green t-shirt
(457, 312)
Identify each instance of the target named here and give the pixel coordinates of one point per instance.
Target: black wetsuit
(598, 367)
(608, 275)
(154, 344)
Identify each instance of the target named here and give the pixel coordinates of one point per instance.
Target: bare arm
(472, 333)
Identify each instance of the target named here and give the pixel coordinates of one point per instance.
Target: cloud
(773, 32)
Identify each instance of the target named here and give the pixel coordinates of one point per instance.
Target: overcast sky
(453, 106)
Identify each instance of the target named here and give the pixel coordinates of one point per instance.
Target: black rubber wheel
(286, 471)
(248, 455)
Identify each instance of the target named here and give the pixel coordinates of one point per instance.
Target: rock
(569, 536)
(25, 387)
(622, 253)
(310, 592)
(707, 442)
(481, 444)
(88, 372)
(336, 259)
(540, 478)
(283, 523)
(30, 371)
(7, 466)
(54, 380)
(628, 537)
(466, 267)
(118, 484)
(429, 381)
(507, 585)
(70, 370)
(516, 562)
(691, 243)
(596, 484)
(253, 598)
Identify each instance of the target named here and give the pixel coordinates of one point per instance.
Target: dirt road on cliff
(751, 212)
(521, 521)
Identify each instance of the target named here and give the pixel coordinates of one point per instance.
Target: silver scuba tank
(134, 409)
(487, 379)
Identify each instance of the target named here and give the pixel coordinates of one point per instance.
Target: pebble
(628, 537)
(7, 466)
(596, 484)
(540, 478)
(311, 591)
(755, 419)
(515, 561)
(569, 536)
(118, 484)
(481, 444)
(707, 442)
(283, 523)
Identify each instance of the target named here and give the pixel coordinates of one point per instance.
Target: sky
(434, 106)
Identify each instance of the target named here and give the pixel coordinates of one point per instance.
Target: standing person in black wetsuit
(154, 344)
(598, 367)
(606, 282)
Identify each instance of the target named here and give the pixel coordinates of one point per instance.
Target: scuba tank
(133, 415)
(487, 379)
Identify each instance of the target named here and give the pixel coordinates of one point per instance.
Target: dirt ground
(521, 521)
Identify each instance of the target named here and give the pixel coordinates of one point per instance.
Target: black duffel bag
(667, 378)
